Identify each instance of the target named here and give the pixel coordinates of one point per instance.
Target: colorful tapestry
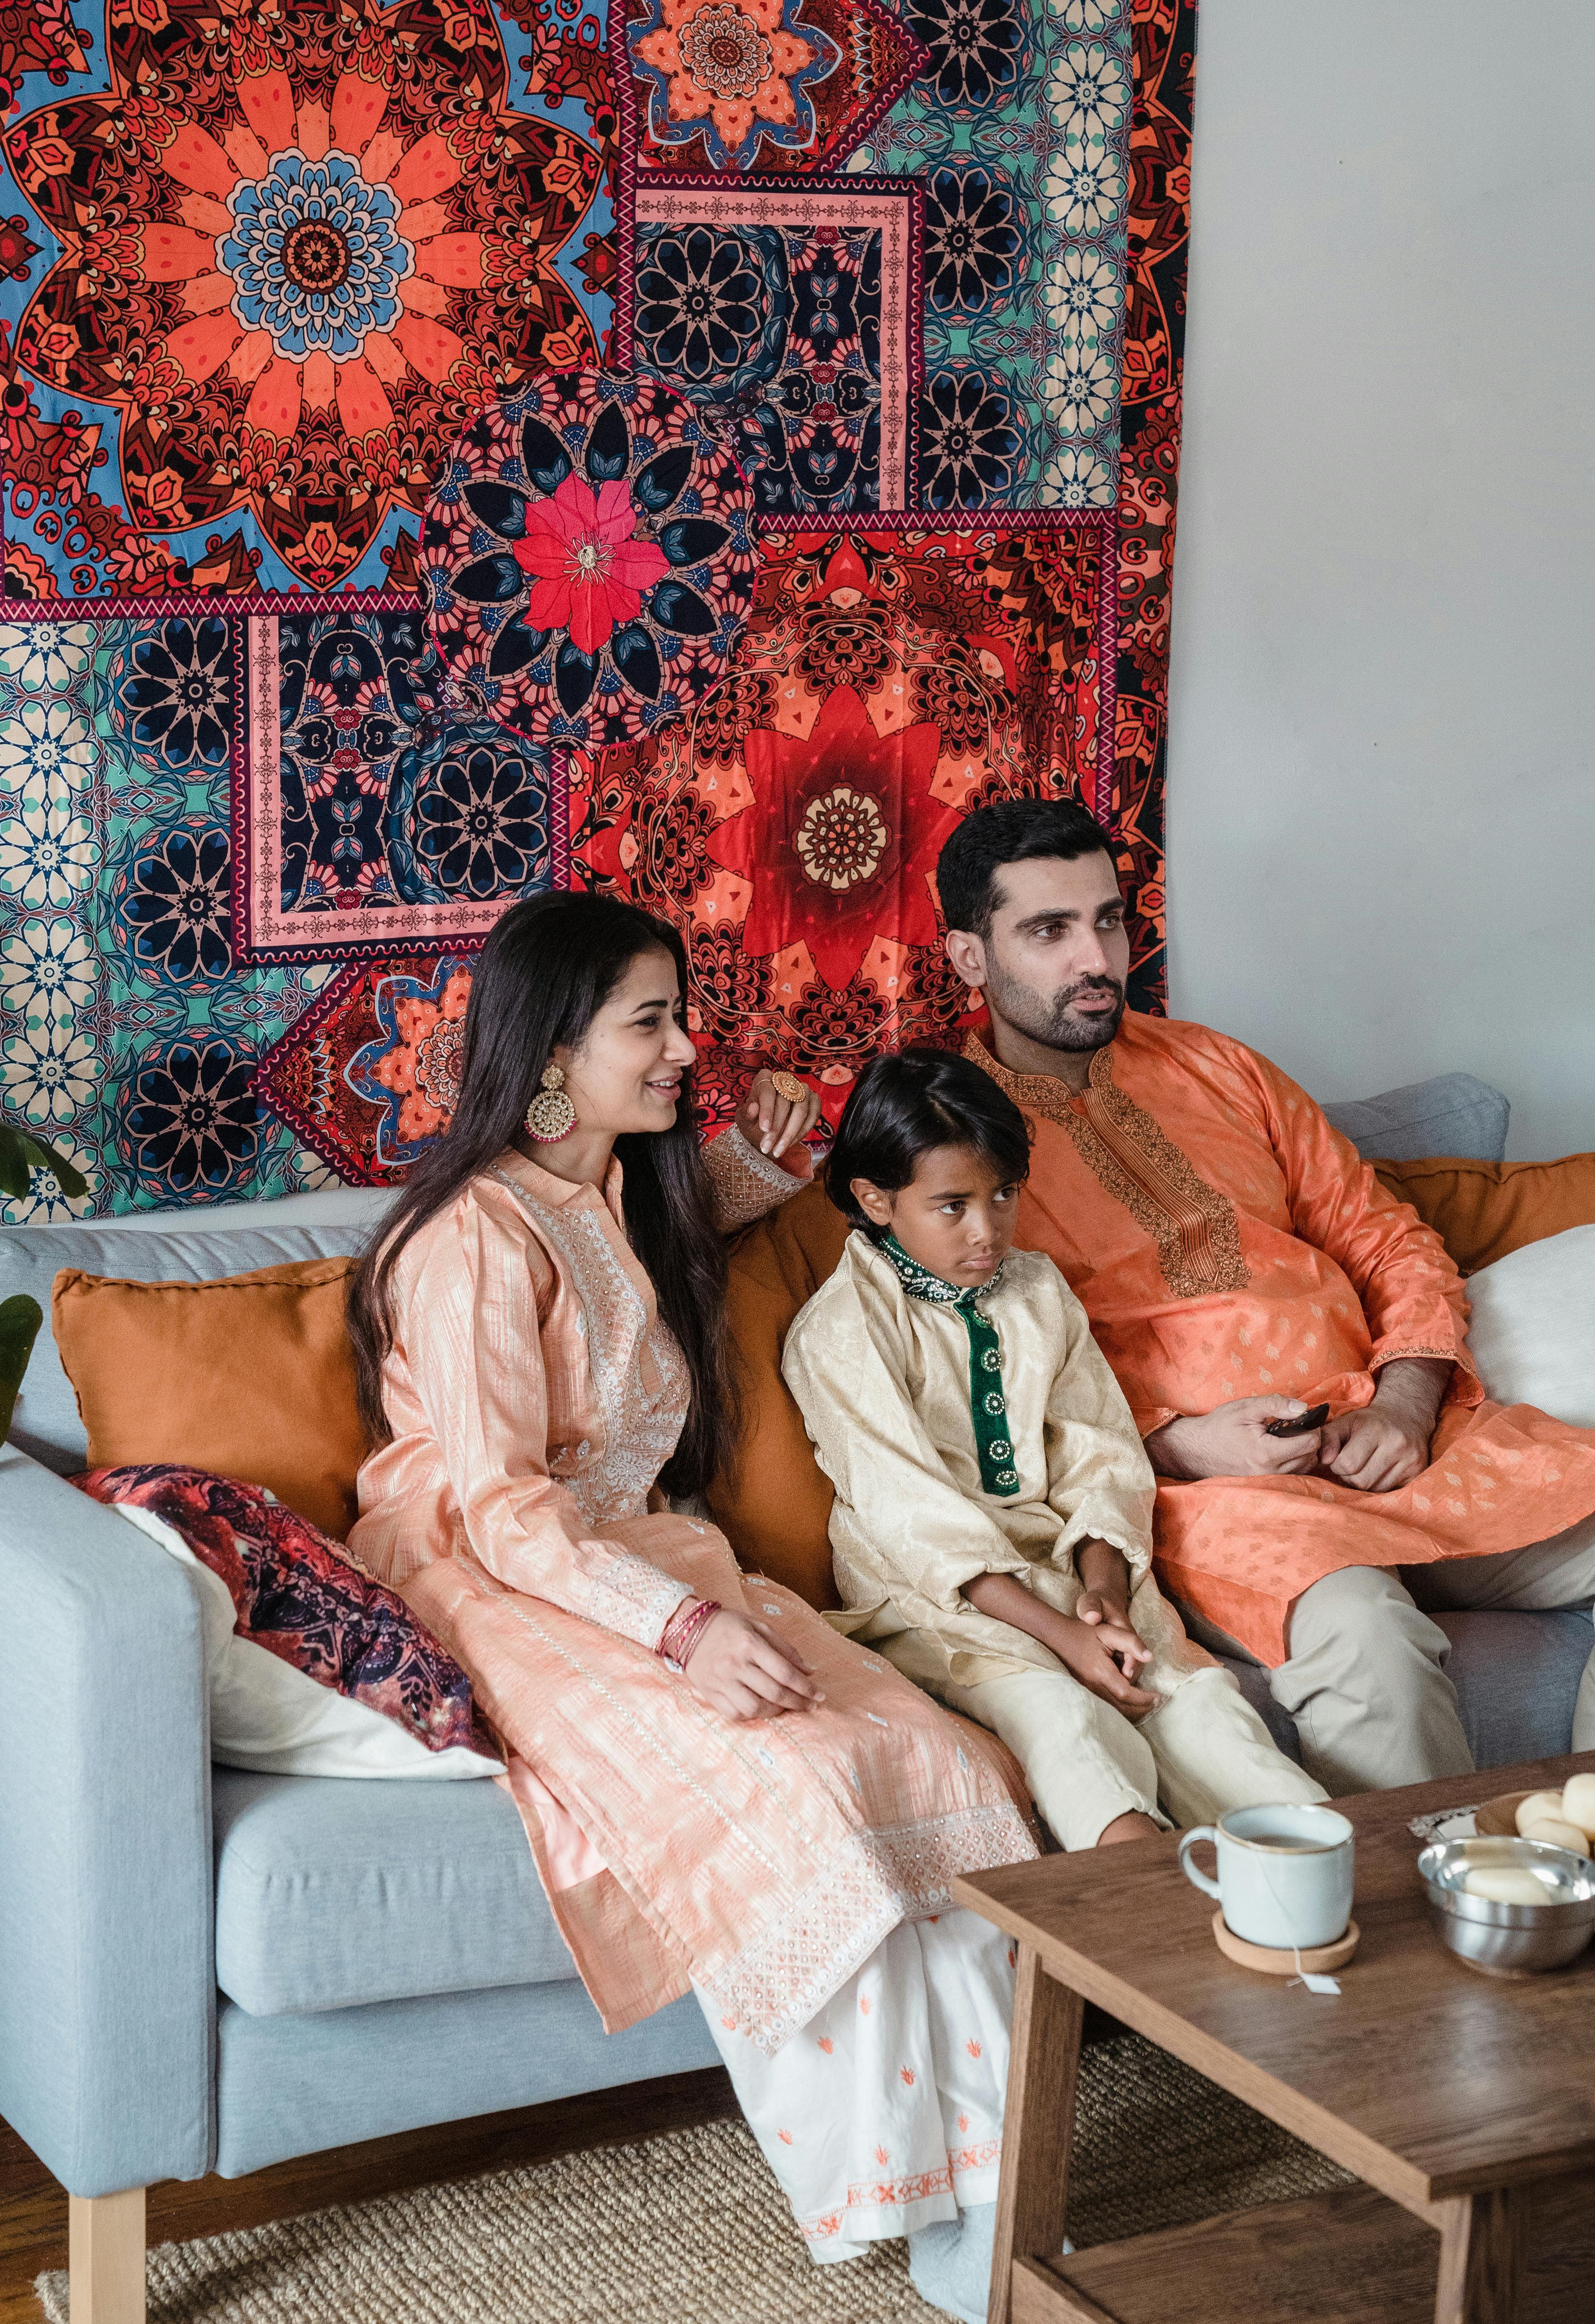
(694, 451)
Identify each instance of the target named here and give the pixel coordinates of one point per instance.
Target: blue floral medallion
(315, 257)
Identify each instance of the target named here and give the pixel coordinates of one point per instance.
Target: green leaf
(13, 1166)
(21, 1152)
(71, 1182)
(20, 1319)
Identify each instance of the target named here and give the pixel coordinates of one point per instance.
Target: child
(992, 1524)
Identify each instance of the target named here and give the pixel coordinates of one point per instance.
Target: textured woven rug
(688, 2228)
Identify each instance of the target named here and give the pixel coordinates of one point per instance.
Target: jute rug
(688, 2228)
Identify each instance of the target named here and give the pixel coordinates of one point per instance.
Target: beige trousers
(1366, 1680)
(1202, 1751)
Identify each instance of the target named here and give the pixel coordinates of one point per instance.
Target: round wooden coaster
(1498, 1818)
(1320, 1959)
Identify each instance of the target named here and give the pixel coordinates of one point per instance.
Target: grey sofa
(202, 1970)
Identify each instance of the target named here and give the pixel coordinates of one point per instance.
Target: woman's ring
(789, 1086)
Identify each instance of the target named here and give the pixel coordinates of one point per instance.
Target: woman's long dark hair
(548, 968)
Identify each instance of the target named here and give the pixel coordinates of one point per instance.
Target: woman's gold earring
(550, 1116)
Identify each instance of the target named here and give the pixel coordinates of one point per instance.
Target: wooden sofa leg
(106, 2246)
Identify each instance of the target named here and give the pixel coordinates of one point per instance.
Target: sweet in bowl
(1475, 1887)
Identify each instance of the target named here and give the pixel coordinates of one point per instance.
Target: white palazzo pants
(885, 2112)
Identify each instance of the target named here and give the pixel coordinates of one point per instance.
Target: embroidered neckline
(988, 1402)
(1196, 1228)
(924, 1284)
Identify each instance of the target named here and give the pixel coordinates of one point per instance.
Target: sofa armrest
(106, 1955)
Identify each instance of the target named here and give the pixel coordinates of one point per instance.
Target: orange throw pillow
(774, 1503)
(251, 1377)
(1482, 1210)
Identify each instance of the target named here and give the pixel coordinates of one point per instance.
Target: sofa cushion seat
(331, 1893)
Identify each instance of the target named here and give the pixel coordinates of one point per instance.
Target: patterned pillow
(305, 1601)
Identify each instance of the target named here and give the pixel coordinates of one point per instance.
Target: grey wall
(1381, 811)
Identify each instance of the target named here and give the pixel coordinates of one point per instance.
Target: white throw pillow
(276, 1720)
(1533, 1329)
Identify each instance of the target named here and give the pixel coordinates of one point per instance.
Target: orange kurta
(1226, 1242)
(534, 1394)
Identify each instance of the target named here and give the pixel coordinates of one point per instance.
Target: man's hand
(1232, 1441)
(1385, 1444)
(743, 1670)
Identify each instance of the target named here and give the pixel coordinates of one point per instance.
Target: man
(1240, 1264)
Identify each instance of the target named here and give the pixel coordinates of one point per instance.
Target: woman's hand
(742, 1670)
(771, 1121)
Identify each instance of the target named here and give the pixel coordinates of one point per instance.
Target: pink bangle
(682, 1632)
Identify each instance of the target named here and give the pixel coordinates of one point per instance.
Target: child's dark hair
(904, 1104)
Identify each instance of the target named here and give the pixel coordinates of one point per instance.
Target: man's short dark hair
(1014, 831)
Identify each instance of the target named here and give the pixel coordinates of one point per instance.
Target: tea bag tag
(1315, 1983)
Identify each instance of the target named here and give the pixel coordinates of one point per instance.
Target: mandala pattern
(784, 309)
(892, 679)
(354, 773)
(369, 1076)
(589, 558)
(297, 245)
(1022, 130)
(125, 1026)
(763, 84)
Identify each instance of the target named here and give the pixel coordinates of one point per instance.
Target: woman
(719, 1791)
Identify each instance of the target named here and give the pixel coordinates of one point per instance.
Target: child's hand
(1096, 1607)
(1097, 1645)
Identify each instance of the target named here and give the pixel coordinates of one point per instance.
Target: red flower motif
(827, 2044)
(842, 834)
(974, 2049)
(591, 569)
(906, 2076)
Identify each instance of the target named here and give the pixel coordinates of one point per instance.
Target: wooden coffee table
(1466, 2104)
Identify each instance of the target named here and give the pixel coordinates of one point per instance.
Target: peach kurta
(1225, 1241)
(533, 1395)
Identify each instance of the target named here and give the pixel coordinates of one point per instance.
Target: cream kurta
(534, 1396)
(883, 1380)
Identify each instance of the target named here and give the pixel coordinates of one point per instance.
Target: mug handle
(1199, 1879)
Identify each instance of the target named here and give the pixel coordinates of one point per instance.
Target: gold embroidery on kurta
(1193, 1226)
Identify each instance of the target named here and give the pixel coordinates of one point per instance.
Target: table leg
(1039, 2126)
(1483, 2246)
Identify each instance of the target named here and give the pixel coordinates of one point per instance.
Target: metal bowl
(1510, 1940)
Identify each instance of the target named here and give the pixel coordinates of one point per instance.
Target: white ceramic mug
(1285, 1874)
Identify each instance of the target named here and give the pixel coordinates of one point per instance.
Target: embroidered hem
(877, 2195)
(775, 1983)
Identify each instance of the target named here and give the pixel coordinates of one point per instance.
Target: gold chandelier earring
(550, 1116)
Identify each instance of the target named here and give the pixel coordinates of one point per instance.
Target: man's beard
(1049, 1018)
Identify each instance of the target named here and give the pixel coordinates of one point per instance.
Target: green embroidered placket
(988, 1405)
